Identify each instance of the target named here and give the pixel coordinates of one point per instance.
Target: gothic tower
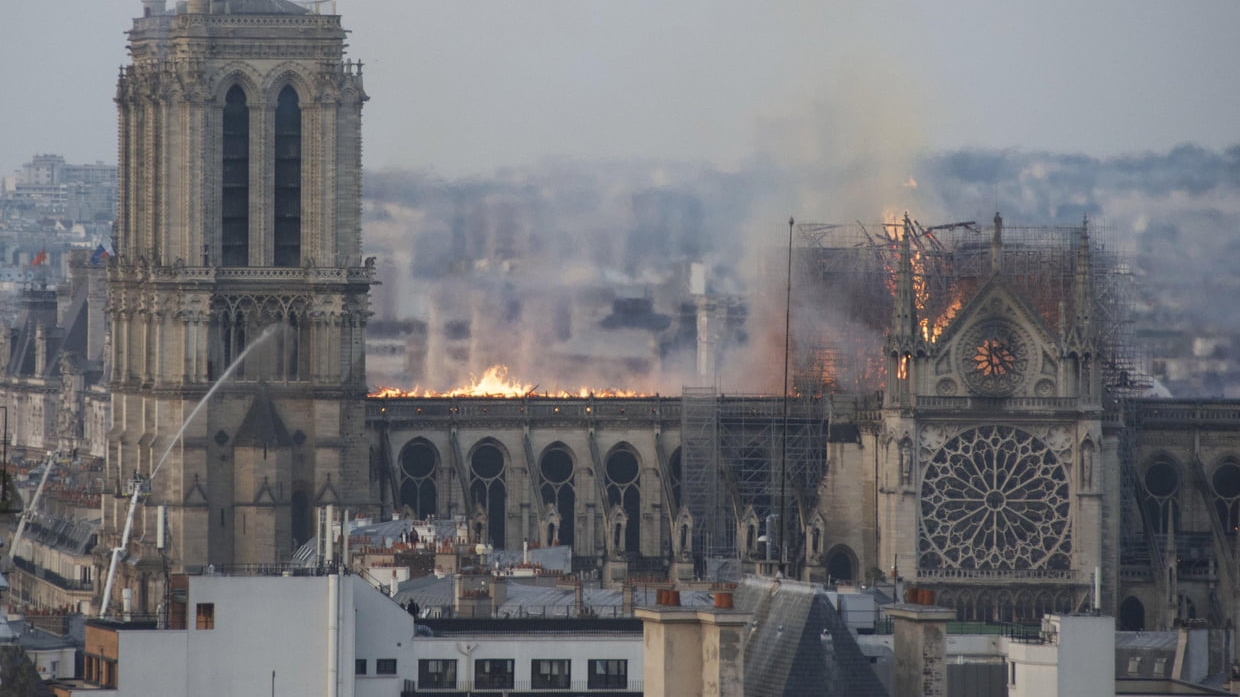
(987, 468)
(992, 490)
(238, 294)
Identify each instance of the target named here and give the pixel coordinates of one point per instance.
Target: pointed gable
(995, 299)
(262, 427)
(997, 346)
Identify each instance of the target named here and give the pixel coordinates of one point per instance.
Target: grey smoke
(538, 259)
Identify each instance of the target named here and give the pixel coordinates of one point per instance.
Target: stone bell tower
(238, 293)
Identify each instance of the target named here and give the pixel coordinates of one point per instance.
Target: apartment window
(494, 673)
(550, 673)
(206, 616)
(436, 672)
(359, 666)
(608, 673)
(1012, 673)
(385, 666)
(1134, 665)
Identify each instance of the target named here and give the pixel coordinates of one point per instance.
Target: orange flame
(495, 382)
(944, 319)
(895, 230)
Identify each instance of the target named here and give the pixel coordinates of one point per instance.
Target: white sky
(466, 86)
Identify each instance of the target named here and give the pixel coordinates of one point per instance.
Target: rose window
(994, 358)
(995, 498)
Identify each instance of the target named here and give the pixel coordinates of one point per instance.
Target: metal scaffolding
(732, 448)
(846, 278)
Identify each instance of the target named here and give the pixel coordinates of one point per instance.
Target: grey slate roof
(1149, 647)
(799, 645)
(528, 600)
(32, 638)
(71, 535)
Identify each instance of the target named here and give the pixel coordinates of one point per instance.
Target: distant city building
(47, 186)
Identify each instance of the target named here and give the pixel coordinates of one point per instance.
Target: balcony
(998, 403)
(51, 576)
(263, 274)
(577, 688)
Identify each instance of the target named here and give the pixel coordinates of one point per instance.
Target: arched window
(1226, 484)
(487, 488)
(1162, 485)
(984, 606)
(300, 515)
(623, 490)
(1131, 615)
(841, 564)
(235, 196)
(556, 467)
(294, 361)
(676, 465)
(287, 202)
(233, 341)
(417, 469)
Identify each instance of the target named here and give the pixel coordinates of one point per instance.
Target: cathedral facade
(238, 235)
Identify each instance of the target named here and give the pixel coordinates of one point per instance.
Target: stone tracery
(997, 498)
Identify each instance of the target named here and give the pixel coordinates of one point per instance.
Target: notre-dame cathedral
(966, 415)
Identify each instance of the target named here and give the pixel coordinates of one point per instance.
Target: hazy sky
(465, 87)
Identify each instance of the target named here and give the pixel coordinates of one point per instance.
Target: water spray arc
(141, 485)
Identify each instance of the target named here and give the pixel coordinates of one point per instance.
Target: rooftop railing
(1000, 575)
(521, 688)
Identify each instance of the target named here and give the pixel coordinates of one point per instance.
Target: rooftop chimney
(920, 650)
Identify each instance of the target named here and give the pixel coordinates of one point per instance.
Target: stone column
(920, 650)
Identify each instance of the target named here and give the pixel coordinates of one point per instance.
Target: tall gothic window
(418, 461)
(556, 467)
(1226, 481)
(624, 490)
(235, 197)
(233, 342)
(288, 179)
(296, 363)
(487, 488)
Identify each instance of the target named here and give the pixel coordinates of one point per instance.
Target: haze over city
(466, 88)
